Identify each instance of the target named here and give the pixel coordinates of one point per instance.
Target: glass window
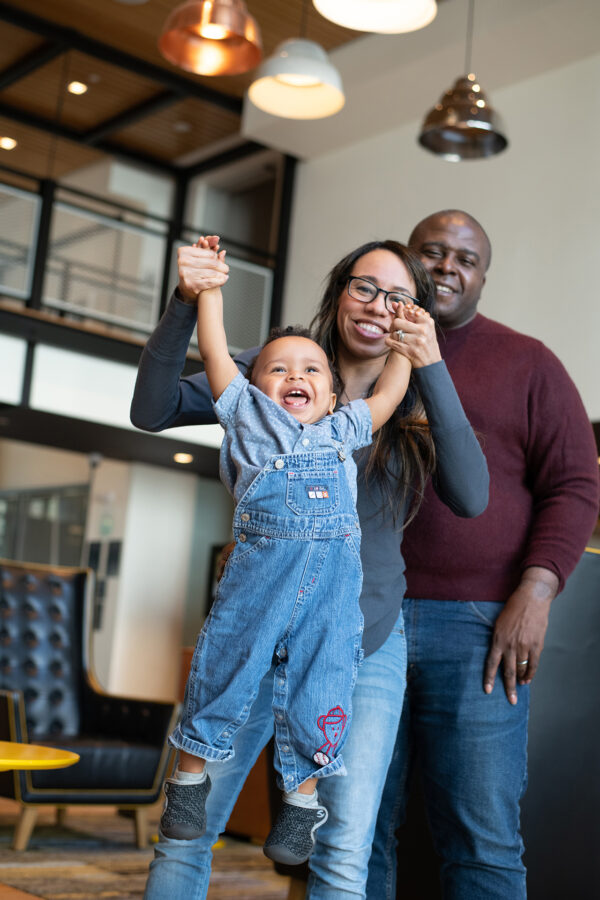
(103, 269)
(12, 353)
(43, 525)
(18, 226)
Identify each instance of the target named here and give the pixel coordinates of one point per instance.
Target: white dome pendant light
(379, 16)
(298, 82)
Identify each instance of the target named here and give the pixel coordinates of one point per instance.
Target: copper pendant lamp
(463, 125)
(212, 37)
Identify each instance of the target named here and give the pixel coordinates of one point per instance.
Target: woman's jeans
(472, 753)
(339, 864)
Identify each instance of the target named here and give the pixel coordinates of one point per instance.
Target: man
(479, 590)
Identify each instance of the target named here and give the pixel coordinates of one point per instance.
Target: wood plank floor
(92, 856)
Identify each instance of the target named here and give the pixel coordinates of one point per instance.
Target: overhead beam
(240, 151)
(21, 423)
(70, 134)
(129, 117)
(76, 40)
(30, 63)
(45, 328)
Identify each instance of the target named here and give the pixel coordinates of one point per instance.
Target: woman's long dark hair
(402, 454)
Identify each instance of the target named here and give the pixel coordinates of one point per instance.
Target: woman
(351, 324)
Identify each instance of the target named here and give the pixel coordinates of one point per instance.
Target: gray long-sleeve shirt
(162, 399)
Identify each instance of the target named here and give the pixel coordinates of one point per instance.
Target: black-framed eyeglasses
(365, 291)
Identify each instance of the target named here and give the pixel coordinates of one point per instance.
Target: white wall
(539, 202)
(145, 644)
(26, 466)
(167, 522)
(212, 527)
(106, 521)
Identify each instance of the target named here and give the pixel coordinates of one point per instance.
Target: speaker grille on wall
(246, 301)
(246, 304)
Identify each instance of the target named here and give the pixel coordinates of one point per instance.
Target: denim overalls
(289, 595)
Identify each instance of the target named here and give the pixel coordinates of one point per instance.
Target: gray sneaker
(184, 815)
(292, 837)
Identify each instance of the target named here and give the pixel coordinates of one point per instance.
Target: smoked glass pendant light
(463, 125)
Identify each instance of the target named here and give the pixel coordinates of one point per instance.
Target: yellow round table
(34, 756)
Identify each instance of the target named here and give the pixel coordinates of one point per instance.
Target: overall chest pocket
(313, 495)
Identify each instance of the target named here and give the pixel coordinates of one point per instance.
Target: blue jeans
(339, 864)
(472, 752)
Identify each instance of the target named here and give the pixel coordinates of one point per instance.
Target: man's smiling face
(456, 253)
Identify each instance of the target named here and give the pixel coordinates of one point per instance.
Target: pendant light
(211, 37)
(379, 16)
(298, 81)
(463, 125)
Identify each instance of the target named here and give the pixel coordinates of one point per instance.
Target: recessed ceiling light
(77, 87)
(183, 458)
(7, 143)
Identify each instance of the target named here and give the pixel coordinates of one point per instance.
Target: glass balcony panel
(18, 226)
(246, 301)
(13, 351)
(103, 270)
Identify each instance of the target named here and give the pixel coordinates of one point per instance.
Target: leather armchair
(49, 695)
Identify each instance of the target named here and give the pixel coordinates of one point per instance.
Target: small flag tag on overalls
(317, 492)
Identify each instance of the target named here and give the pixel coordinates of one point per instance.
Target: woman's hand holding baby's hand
(201, 267)
(412, 334)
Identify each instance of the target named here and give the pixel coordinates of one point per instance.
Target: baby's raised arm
(392, 384)
(212, 340)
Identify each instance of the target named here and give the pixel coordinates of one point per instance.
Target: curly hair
(402, 454)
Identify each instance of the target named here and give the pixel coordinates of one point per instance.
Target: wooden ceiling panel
(136, 29)
(136, 100)
(180, 129)
(110, 91)
(41, 154)
(16, 44)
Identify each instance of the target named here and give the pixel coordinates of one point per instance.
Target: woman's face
(362, 326)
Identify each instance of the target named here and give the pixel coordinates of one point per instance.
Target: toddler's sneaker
(292, 837)
(184, 815)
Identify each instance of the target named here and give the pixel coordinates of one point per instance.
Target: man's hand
(201, 267)
(224, 555)
(519, 632)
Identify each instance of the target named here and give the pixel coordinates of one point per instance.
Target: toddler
(290, 588)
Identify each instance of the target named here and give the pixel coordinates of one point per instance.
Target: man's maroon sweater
(543, 465)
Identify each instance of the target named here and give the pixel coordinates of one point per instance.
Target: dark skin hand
(223, 557)
(518, 638)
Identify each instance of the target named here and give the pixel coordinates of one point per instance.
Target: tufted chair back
(49, 695)
(41, 653)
